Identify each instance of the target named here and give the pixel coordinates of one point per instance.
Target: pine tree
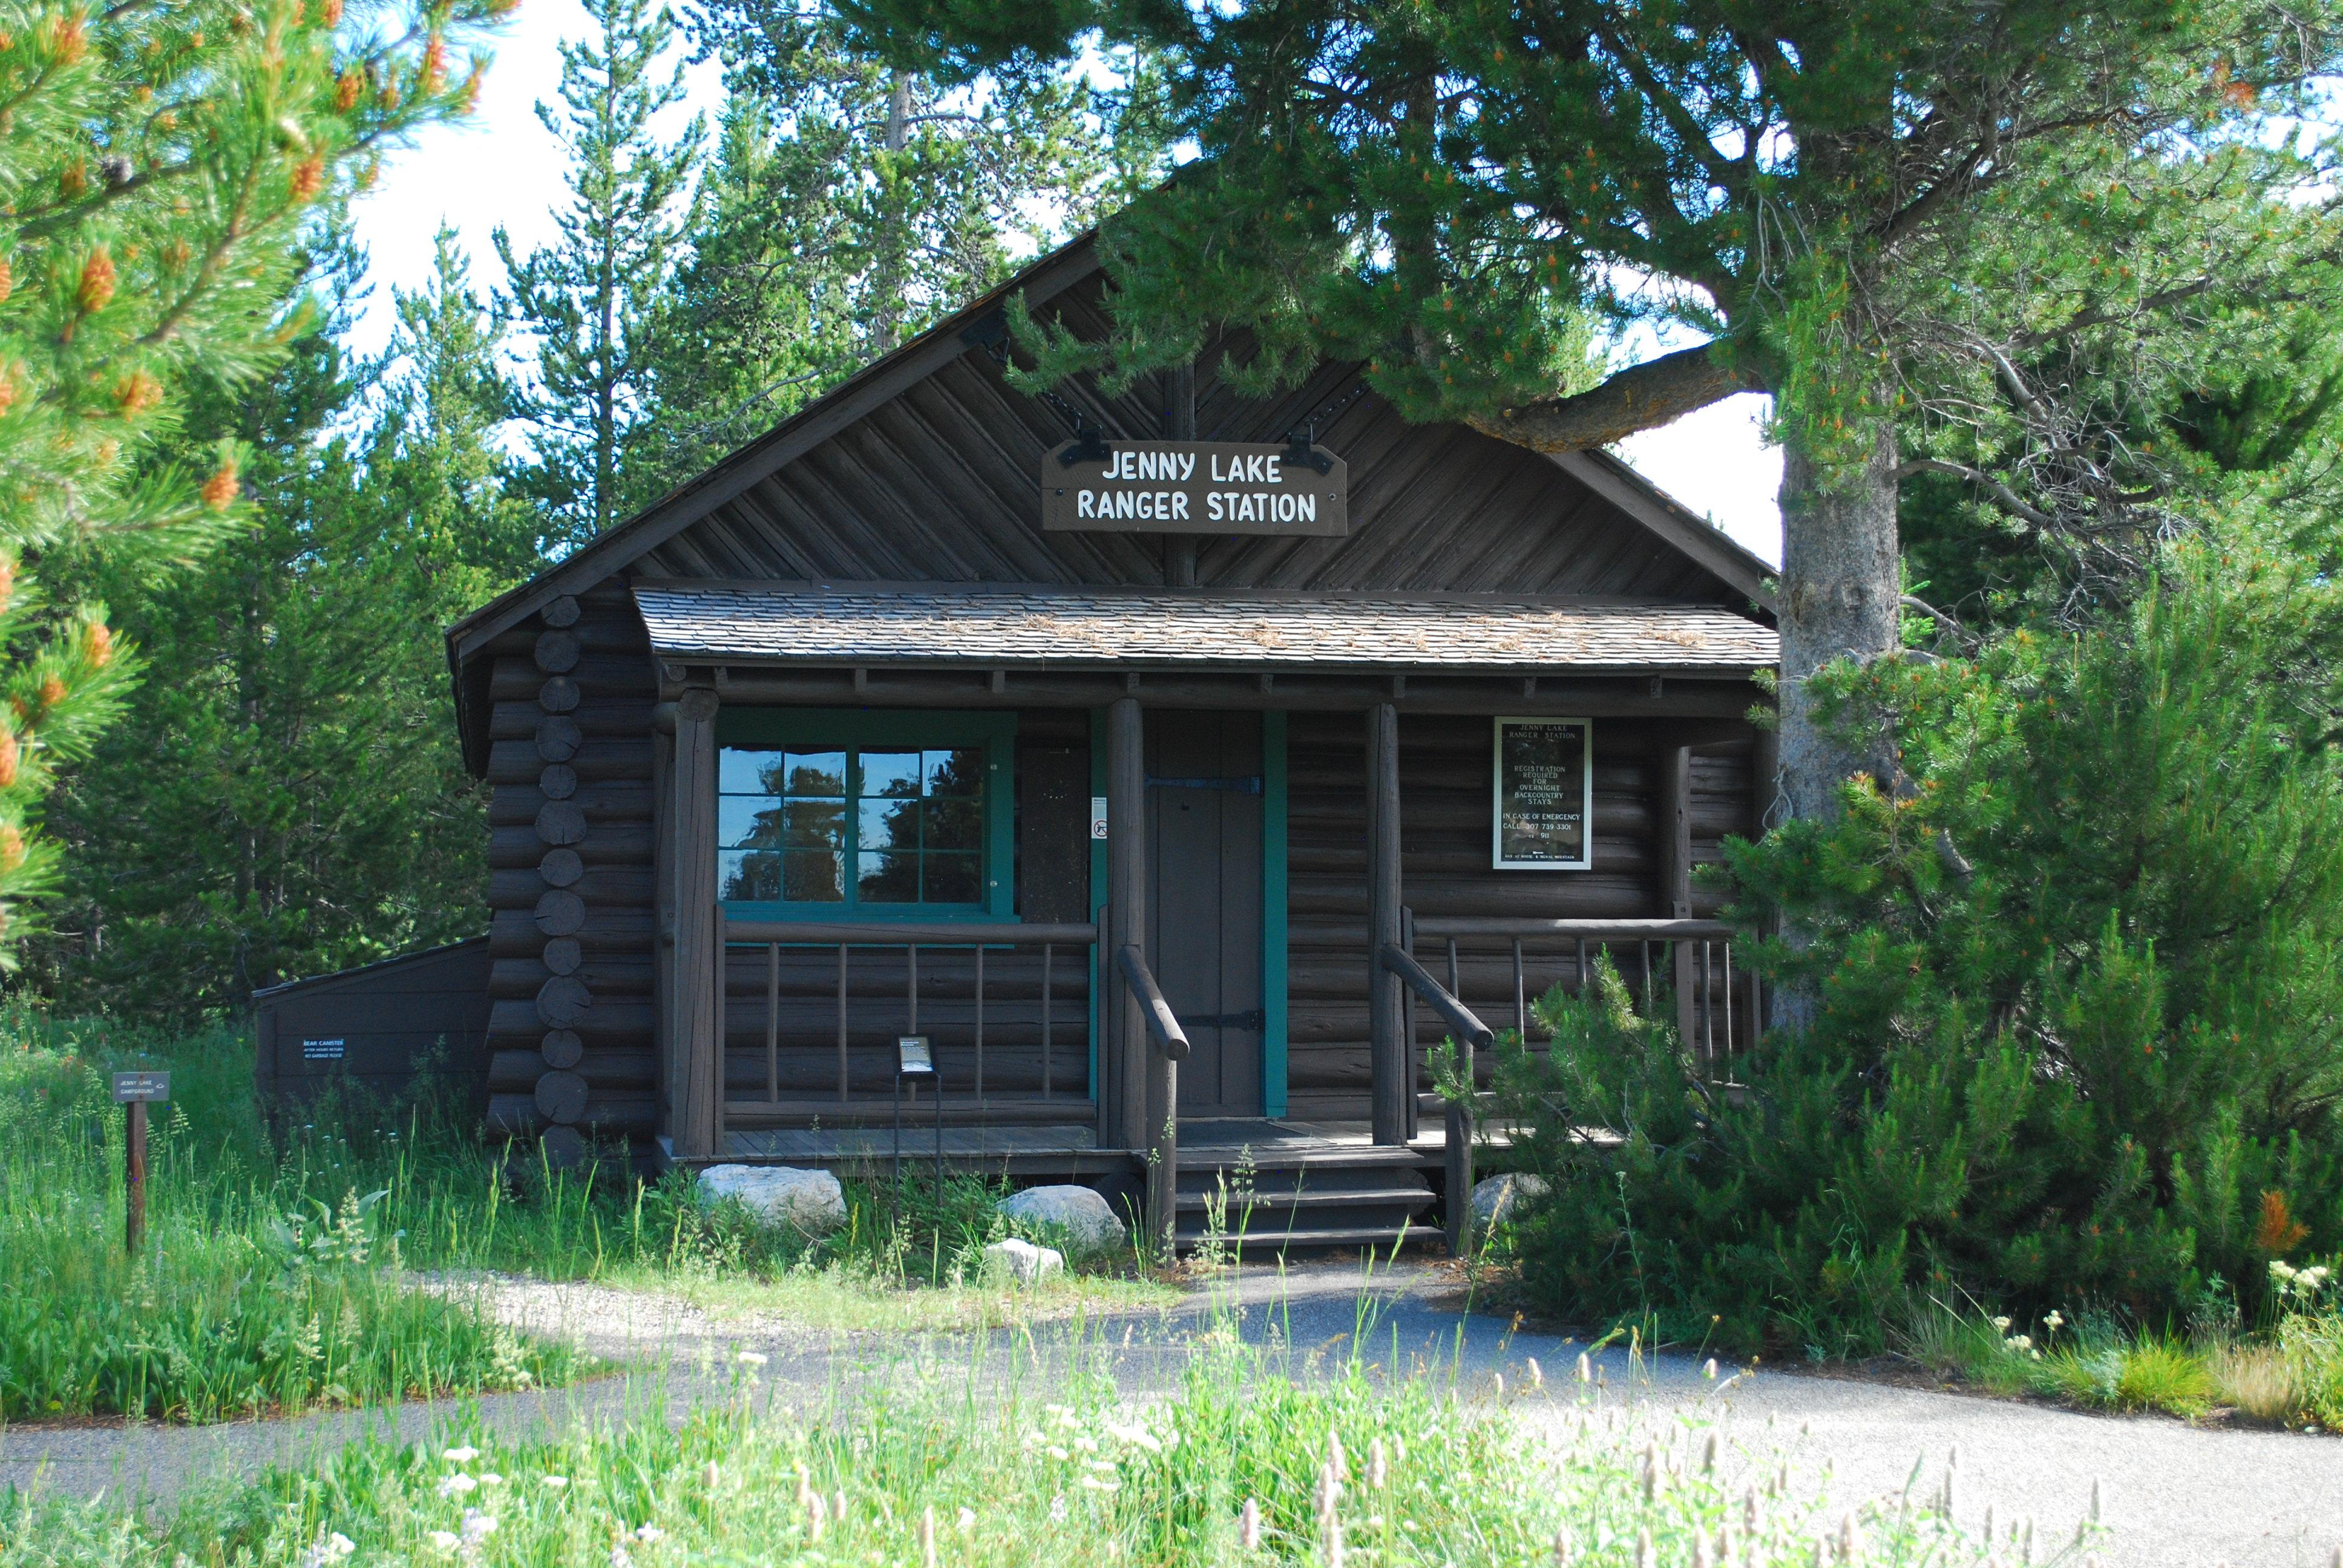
(849, 203)
(2013, 220)
(587, 300)
(159, 167)
(291, 800)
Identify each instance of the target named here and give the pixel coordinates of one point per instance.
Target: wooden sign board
(1195, 487)
(138, 1088)
(1544, 811)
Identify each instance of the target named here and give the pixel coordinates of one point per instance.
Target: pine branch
(1640, 398)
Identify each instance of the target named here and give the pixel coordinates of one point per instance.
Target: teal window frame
(861, 729)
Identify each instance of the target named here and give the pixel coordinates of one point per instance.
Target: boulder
(1494, 1198)
(809, 1201)
(1083, 1218)
(1022, 1260)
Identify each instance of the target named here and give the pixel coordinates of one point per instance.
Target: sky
(504, 167)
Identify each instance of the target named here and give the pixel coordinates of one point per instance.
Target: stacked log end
(570, 876)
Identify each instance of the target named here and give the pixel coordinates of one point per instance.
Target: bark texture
(1636, 399)
(1840, 595)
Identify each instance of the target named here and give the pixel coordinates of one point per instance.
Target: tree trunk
(1840, 588)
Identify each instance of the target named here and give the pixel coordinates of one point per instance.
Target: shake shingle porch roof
(803, 625)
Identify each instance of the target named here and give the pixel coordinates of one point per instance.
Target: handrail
(1584, 930)
(1161, 1022)
(907, 933)
(1469, 1029)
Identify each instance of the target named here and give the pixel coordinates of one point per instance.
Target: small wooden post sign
(137, 1091)
(1196, 488)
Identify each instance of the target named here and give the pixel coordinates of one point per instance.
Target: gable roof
(924, 357)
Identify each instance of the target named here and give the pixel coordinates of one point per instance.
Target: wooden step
(1345, 1237)
(1337, 1198)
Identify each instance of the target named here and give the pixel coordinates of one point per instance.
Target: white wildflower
(1538, 1373)
(1057, 1510)
(556, 1482)
(2001, 1325)
(751, 1359)
(1248, 1526)
(1100, 1483)
(491, 1478)
(477, 1525)
(445, 1541)
(457, 1486)
(647, 1533)
(1585, 1368)
(464, 1455)
(619, 1558)
(2055, 1322)
(967, 1520)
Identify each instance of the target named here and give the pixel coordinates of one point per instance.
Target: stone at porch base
(1494, 1197)
(810, 1202)
(1088, 1223)
(1022, 1260)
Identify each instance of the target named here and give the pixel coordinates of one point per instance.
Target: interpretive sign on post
(1544, 788)
(137, 1091)
(1195, 487)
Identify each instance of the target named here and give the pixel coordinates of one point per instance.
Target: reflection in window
(892, 825)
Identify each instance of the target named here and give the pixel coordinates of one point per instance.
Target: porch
(1183, 945)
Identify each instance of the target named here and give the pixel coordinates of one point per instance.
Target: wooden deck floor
(1069, 1149)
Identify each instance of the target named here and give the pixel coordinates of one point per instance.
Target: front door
(1203, 879)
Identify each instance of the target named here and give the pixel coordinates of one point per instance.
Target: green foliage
(588, 300)
(849, 206)
(159, 167)
(289, 800)
(1031, 1473)
(2070, 981)
(264, 1284)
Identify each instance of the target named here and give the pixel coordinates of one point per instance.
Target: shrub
(2067, 981)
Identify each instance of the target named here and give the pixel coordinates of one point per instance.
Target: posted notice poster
(1544, 795)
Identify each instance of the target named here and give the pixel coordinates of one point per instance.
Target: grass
(2288, 1374)
(947, 1471)
(264, 1284)
(276, 1274)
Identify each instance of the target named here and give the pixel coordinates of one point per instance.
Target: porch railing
(1168, 1044)
(1717, 1010)
(969, 1020)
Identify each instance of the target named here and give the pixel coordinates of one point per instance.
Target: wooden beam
(693, 1027)
(1722, 699)
(1126, 881)
(1675, 820)
(1393, 1090)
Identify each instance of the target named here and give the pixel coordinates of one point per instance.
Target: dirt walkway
(2172, 1494)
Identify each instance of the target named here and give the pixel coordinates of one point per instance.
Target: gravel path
(2172, 1494)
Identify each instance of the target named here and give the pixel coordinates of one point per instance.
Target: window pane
(748, 876)
(891, 773)
(889, 877)
(960, 773)
(888, 824)
(749, 770)
(747, 821)
(953, 825)
(817, 773)
(812, 877)
(814, 824)
(952, 880)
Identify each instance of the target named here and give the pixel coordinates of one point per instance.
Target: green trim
(1273, 914)
(856, 727)
(1098, 878)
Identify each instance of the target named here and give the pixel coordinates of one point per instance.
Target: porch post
(1676, 861)
(698, 961)
(1146, 1085)
(1393, 1088)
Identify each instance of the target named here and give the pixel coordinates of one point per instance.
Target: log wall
(572, 939)
(1444, 814)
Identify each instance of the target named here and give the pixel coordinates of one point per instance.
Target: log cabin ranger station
(1180, 768)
